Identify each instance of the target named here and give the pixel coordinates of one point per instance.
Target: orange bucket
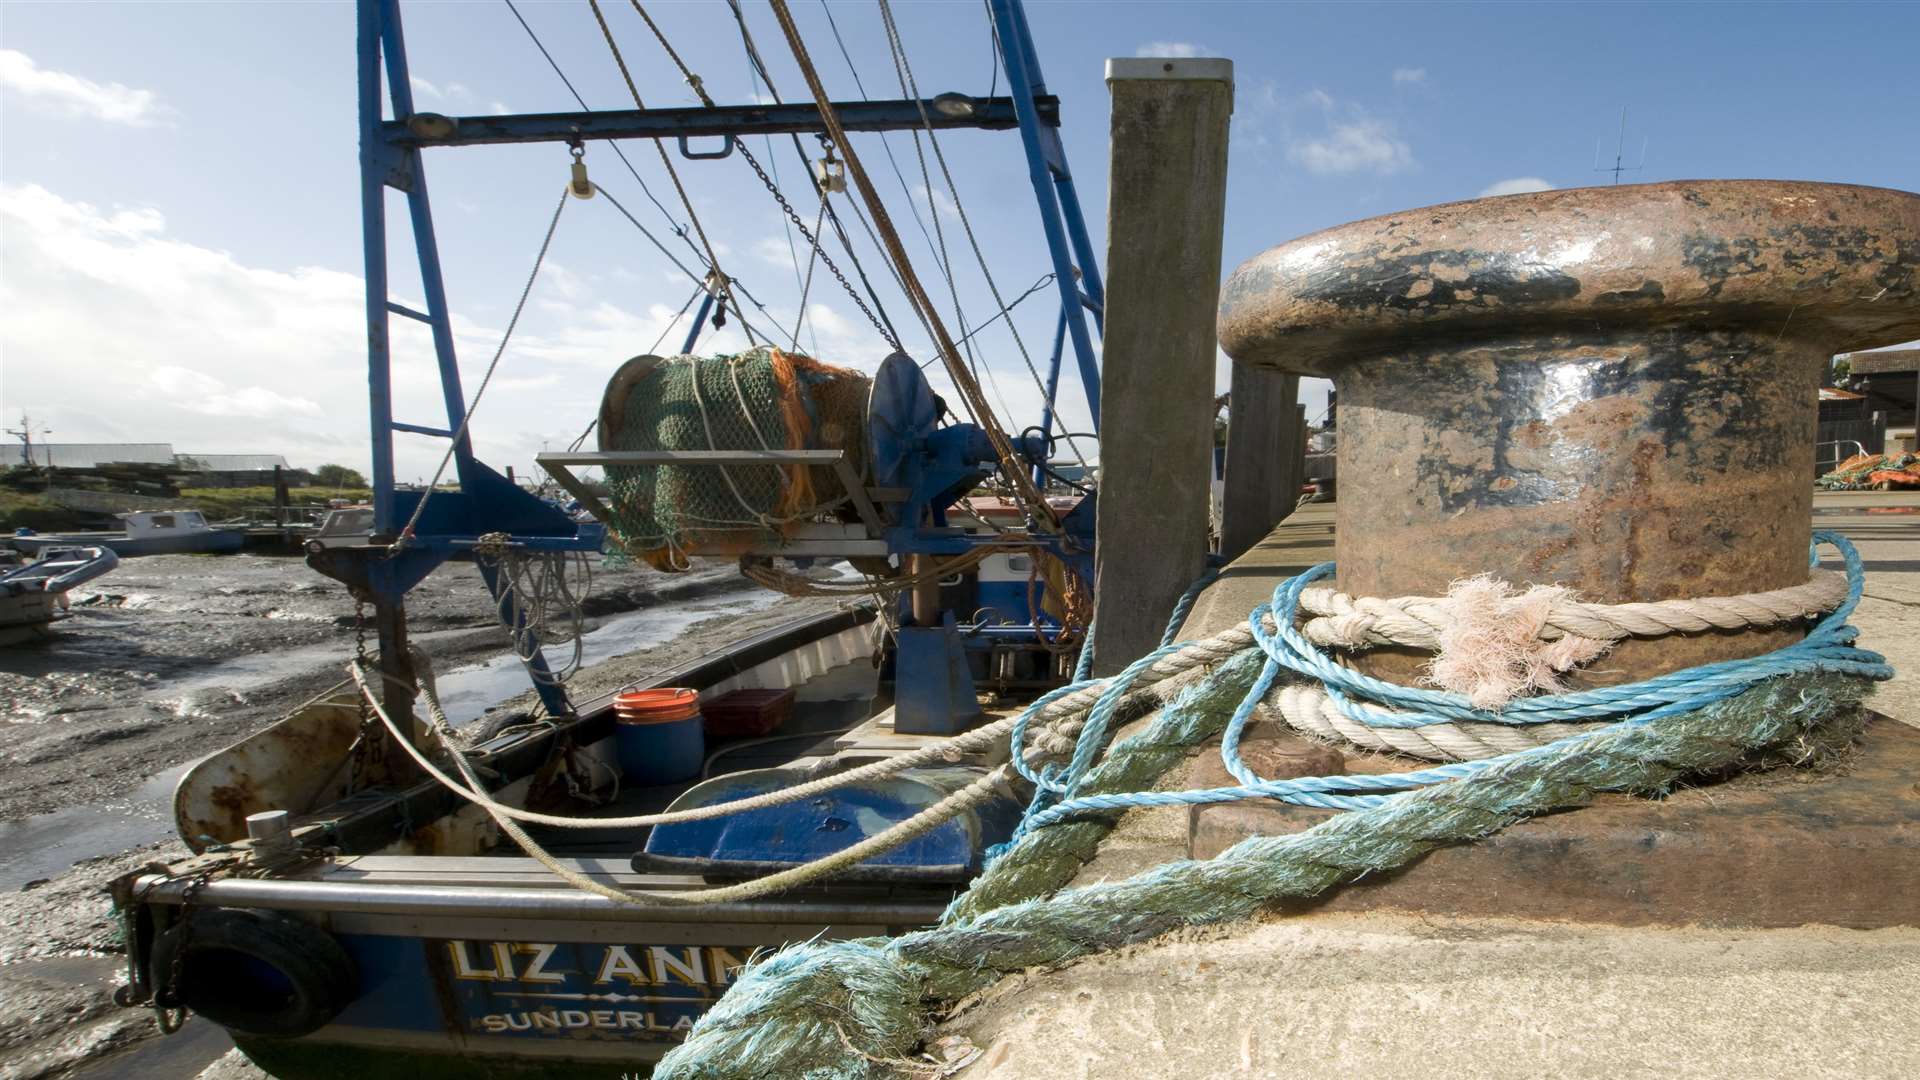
(661, 706)
(659, 737)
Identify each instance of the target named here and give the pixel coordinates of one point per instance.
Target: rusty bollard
(1613, 389)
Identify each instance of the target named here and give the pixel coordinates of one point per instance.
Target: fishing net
(1872, 470)
(764, 399)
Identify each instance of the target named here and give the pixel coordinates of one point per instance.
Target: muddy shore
(175, 657)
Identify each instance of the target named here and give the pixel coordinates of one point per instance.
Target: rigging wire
(460, 436)
(757, 66)
(813, 259)
(677, 229)
(699, 88)
(705, 286)
(693, 217)
(911, 86)
(1010, 463)
(886, 144)
(1045, 280)
(939, 233)
(938, 250)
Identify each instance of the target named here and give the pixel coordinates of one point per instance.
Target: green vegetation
(20, 509)
(338, 476)
(230, 504)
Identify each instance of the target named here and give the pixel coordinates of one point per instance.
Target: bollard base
(1838, 845)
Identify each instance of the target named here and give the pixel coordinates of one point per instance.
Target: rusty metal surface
(297, 765)
(1839, 846)
(1608, 388)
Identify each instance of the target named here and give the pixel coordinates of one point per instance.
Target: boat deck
(826, 707)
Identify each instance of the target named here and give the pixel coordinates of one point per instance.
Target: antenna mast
(1619, 152)
(26, 431)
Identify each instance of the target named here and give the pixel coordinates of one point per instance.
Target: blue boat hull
(206, 542)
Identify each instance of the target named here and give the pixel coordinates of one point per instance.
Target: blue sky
(179, 225)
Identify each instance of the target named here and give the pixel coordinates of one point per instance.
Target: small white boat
(32, 595)
(145, 532)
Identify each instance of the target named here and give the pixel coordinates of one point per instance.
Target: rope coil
(1641, 738)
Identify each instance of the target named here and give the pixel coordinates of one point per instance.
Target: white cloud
(77, 95)
(451, 92)
(499, 108)
(774, 250)
(1173, 50)
(1409, 75)
(1515, 186)
(941, 201)
(1362, 145)
(199, 349)
(119, 330)
(198, 392)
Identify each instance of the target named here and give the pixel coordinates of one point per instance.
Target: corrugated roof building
(89, 455)
(233, 462)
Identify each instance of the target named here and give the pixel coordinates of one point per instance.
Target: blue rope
(1054, 783)
(1828, 647)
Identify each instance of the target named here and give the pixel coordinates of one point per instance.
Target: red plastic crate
(744, 714)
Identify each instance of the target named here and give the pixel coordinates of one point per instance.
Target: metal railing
(1824, 465)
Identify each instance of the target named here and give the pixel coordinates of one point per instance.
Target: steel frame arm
(432, 129)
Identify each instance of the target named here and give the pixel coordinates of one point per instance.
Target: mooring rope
(1418, 621)
(844, 1009)
(829, 1009)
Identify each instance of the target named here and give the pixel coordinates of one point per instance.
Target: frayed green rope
(849, 1010)
(1046, 859)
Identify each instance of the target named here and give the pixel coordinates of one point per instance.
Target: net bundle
(763, 399)
(1864, 471)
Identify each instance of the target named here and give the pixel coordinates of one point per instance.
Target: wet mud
(171, 658)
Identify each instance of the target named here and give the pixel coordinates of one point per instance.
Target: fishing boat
(144, 532)
(375, 893)
(343, 526)
(33, 594)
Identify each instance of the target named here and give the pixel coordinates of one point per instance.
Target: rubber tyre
(222, 976)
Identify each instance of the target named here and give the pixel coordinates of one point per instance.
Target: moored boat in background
(145, 532)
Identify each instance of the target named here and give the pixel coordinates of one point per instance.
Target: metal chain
(819, 249)
(168, 1012)
(369, 747)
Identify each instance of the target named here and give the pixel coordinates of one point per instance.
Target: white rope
(503, 816)
(1058, 721)
(460, 434)
(1417, 621)
(1307, 709)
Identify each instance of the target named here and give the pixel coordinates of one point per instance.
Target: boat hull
(467, 961)
(200, 542)
(27, 617)
(520, 997)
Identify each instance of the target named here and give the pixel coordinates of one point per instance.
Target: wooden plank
(1165, 216)
(1265, 444)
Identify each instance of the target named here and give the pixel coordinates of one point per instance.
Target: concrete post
(1265, 446)
(1165, 210)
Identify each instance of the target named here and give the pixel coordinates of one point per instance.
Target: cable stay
(839, 463)
(910, 87)
(757, 68)
(1010, 465)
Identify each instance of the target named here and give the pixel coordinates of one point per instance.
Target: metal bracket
(726, 150)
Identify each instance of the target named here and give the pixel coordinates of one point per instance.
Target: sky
(180, 252)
